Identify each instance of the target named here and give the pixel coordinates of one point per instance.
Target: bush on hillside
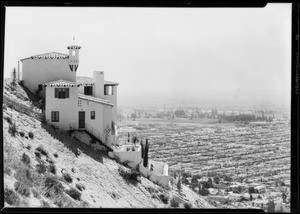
(37, 154)
(8, 119)
(81, 187)
(175, 202)
(25, 159)
(73, 193)
(41, 168)
(30, 135)
(131, 176)
(12, 129)
(22, 134)
(164, 198)
(52, 169)
(22, 188)
(187, 205)
(55, 155)
(11, 197)
(42, 151)
(67, 177)
(28, 147)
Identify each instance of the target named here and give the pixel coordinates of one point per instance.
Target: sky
(165, 54)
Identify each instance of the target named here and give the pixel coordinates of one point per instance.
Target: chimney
(99, 84)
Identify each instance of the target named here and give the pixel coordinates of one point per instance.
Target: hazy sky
(160, 53)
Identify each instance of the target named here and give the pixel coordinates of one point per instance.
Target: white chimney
(99, 84)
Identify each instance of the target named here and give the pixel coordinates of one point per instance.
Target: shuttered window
(62, 93)
(54, 116)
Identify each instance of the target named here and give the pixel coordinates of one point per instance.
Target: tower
(73, 57)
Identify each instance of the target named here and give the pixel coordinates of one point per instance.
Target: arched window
(73, 53)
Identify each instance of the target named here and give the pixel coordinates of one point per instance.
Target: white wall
(113, 100)
(67, 113)
(98, 89)
(39, 71)
(133, 156)
(87, 107)
(162, 180)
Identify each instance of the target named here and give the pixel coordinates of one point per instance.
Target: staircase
(93, 133)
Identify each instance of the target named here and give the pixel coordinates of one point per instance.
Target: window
(93, 115)
(40, 88)
(108, 90)
(54, 116)
(61, 93)
(88, 90)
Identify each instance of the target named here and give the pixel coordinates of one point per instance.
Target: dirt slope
(94, 170)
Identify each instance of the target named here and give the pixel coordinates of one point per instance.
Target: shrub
(52, 169)
(37, 154)
(130, 176)
(22, 134)
(164, 198)
(45, 204)
(175, 202)
(54, 187)
(22, 188)
(12, 129)
(11, 197)
(80, 187)
(51, 162)
(115, 195)
(7, 170)
(42, 151)
(187, 205)
(28, 147)
(55, 155)
(41, 168)
(35, 193)
(67, 177)
(8, 119)
(30, 135)
(73, 193)
(25, 159)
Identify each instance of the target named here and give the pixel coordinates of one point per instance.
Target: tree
(251, 190)
(179, 185)
(133, 116)
(217, 179)
(227, 178)
(146, 154)
(14, 77)
(271, 206)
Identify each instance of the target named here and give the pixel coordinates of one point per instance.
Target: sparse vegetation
(52, 169)
(80, 187)
(73, 193)
(25, 159)
(68, 177)
(187, 205)
(175, 202)
(12, 129)
(11, 197)
(22, 188)
(42, 151)
(30, 135)
(41, 167)
(131, 176)
(164, 198)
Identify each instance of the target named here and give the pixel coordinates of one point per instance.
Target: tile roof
(61, 83)
(90, 81)
(51, 55)
(95, 99)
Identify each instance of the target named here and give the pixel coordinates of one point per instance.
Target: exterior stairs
(97, 140)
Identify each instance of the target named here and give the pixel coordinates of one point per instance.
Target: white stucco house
(71, 102)
(84, 106)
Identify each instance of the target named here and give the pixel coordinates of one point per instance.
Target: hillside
(46, 168)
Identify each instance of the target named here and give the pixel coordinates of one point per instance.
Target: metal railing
(91, 130)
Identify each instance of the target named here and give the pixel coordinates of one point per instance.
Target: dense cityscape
(234, 158)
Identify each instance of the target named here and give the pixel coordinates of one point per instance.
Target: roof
(90, 81)
(51, 55)
(61, 83)
(95, 99)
